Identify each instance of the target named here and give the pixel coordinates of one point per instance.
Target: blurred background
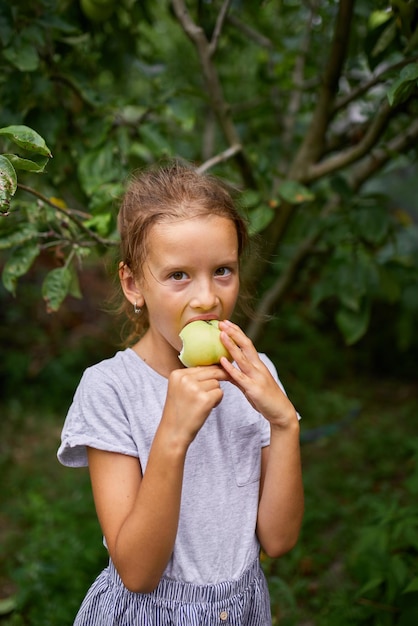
(308, 111)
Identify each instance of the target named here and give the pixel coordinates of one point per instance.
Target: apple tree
(308, 108)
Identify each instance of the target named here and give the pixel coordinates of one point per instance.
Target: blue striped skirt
(242, 602)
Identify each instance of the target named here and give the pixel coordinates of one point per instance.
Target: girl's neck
(163, 361)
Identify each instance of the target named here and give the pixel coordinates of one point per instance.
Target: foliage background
(309, 110)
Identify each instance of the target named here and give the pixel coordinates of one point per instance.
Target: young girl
(192, 469)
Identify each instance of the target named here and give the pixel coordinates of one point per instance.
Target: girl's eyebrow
(173, 266)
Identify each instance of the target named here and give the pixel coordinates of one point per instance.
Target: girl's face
(190, 272)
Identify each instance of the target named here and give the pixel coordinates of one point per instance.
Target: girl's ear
(129, 286)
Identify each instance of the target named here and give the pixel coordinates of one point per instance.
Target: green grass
(355, 563)
(50, 538)
(359, 545)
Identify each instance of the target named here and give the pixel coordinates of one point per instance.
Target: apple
(202, 344)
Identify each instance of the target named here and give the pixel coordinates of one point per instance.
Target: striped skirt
(242, 602)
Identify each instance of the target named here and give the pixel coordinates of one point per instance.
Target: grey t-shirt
(117, 407)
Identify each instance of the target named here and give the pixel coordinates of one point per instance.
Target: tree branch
(70, 215)
(346, 157)
(69, 82)
(364, 171)
(250, 33)
(382, 155)
(375, 80)
(214, 87)
(280, 287)
(289, 118)
(218, 27)
(313, 144)
(219, 158)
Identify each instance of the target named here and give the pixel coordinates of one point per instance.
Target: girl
(191, 469)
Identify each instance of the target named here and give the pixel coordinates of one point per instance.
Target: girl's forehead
(193, 237)
(195, 226)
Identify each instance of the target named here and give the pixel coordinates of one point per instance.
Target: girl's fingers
(207, 372)
(241, 350)
(236, 341)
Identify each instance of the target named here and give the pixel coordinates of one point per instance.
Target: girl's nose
(204, 296)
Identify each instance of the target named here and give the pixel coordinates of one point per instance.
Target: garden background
(308, 110)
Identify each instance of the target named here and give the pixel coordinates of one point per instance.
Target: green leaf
(385, 39)
(26, 138)
(97, 167)
(18, 264)
(24, 57)
(155, 140)
(104, 197)
(400, 91)
(100, 223)
(74, 288)
(7, 605)
(19, 236)
(371, 585)
(55, 287)
(250, 199)
(260, 218)
(389, 286)
(404, 85)
(8, 183)
(410, 72)
(26, 164)
(378, 17)
(372, 222)
(412, 586)
(353, 324)
(295, 193)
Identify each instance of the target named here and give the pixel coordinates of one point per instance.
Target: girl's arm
(280, 510)
(139, 513)
(281, 503)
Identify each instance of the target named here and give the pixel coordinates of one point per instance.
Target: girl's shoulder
(124, 365)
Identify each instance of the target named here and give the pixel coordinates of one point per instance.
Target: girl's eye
(222, 271)
(178, 276)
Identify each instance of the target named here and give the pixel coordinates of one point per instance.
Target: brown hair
(164, 193)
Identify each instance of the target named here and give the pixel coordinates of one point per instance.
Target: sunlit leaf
(100, 223)
(8, 183)
(7, 605)
(294, 192)
(26, 138)
(378, 17)
(55, 287)
(27, 164)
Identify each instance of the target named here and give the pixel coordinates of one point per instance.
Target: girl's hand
(192, 393)
(254, 378)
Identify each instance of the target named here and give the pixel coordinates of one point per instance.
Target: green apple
(202, 344)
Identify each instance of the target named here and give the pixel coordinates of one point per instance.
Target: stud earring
(137, 309)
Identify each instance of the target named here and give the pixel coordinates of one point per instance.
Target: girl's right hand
(192, 394)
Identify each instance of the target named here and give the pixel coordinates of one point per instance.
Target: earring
(137, 309)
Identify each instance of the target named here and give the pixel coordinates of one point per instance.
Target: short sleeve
(97, 419)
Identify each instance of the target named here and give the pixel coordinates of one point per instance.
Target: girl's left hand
(253, 377)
